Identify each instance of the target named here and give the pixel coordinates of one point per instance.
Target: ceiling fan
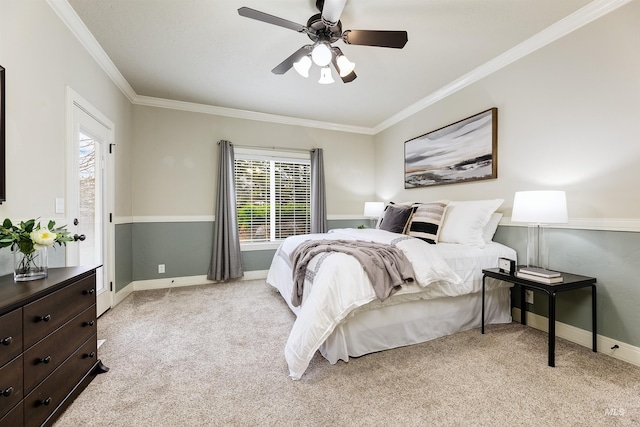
(323, 29)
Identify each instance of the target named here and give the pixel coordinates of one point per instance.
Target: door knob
(80, 237)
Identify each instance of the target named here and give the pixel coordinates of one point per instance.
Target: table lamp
(373, 210)
(539, 208)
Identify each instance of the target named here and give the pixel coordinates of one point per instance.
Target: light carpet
(212, 355)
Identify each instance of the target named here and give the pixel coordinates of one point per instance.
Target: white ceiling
(203, 52)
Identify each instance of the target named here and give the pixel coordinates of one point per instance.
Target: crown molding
(581, 17)
(69, 16)
(245, 114)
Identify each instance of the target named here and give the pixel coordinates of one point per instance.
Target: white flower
(42, 237)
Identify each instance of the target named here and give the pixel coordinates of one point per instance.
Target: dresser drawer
(45, 315)
(10, 335)
(45, 356)
(10, 385)
(14, 418)
(40, 403)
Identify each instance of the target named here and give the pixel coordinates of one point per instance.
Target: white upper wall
(175, 160)
(41, 58)
(567, 119)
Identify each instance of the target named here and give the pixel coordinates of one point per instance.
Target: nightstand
(571, 281)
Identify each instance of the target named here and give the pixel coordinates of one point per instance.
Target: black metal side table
(571, 281)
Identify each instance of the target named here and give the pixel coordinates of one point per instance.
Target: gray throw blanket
(387, 266)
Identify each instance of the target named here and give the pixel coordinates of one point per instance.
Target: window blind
(272, 197)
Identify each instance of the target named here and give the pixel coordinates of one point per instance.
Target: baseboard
(122, 294)
(625, 352)
(176, 282)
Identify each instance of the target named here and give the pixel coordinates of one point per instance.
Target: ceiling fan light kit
(324, 29)
(325, 76)
(303, 66)
(321, 54)
(345, 66)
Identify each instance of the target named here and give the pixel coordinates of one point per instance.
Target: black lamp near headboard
(3, 183)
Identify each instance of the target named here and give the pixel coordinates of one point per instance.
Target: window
(272, 195)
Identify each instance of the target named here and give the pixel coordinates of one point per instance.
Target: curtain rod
(260, 147)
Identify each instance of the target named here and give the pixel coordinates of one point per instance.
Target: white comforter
(337, 284)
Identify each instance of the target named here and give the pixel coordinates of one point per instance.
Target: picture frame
(3, 187)
(464, 151)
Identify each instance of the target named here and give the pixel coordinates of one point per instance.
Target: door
(88, 201)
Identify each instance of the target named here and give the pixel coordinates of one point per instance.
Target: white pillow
(491, 227)
(464, 221)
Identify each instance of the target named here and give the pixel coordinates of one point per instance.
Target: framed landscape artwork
(463, 151)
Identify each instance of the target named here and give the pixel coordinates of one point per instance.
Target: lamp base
(537, 249)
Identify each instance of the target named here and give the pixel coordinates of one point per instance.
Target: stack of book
(540, 275)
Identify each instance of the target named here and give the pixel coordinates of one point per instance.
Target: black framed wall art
(466, 150)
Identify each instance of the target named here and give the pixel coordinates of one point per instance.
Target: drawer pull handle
(89, 292)
(45, 318)
(6, 341)
(7, 391)
(45, 360)
(91, 355)
(46, 402)
(89, 323)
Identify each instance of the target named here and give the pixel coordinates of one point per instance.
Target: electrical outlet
(528, 296)
(160, 268)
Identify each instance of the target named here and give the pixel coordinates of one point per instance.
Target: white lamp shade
(540, 207)
(325, 76)
(302, 66)
(345, 66)
(373, 209)
(321, 55)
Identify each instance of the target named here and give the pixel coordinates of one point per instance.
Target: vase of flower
(29, 242)
(31, 266)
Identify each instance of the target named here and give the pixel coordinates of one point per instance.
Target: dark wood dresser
(48, 344)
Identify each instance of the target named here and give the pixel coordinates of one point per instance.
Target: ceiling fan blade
(286, 65)
(331, 11)
(270, 19)
(381, 38)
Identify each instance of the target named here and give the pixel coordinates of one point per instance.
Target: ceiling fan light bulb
(345, 66)
(321, 55)
(303, 66)
(325, 76)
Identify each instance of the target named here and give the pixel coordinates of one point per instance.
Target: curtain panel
(318, 193)
(226, 257)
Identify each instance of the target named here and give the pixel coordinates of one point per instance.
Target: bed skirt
(414, 322)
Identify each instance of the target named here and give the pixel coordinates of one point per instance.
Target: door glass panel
(89, 214)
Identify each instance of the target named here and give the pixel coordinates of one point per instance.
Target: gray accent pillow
(395, 219)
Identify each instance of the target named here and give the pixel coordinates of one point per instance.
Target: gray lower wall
(183, 247)
(611, 257)
(123, 255)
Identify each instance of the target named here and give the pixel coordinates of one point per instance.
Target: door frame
(72, 100)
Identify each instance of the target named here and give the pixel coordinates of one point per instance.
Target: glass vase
(31, 266)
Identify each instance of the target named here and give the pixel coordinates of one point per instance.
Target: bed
(341, 316)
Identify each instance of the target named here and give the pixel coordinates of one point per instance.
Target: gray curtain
(318, 196)
(226, 259)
